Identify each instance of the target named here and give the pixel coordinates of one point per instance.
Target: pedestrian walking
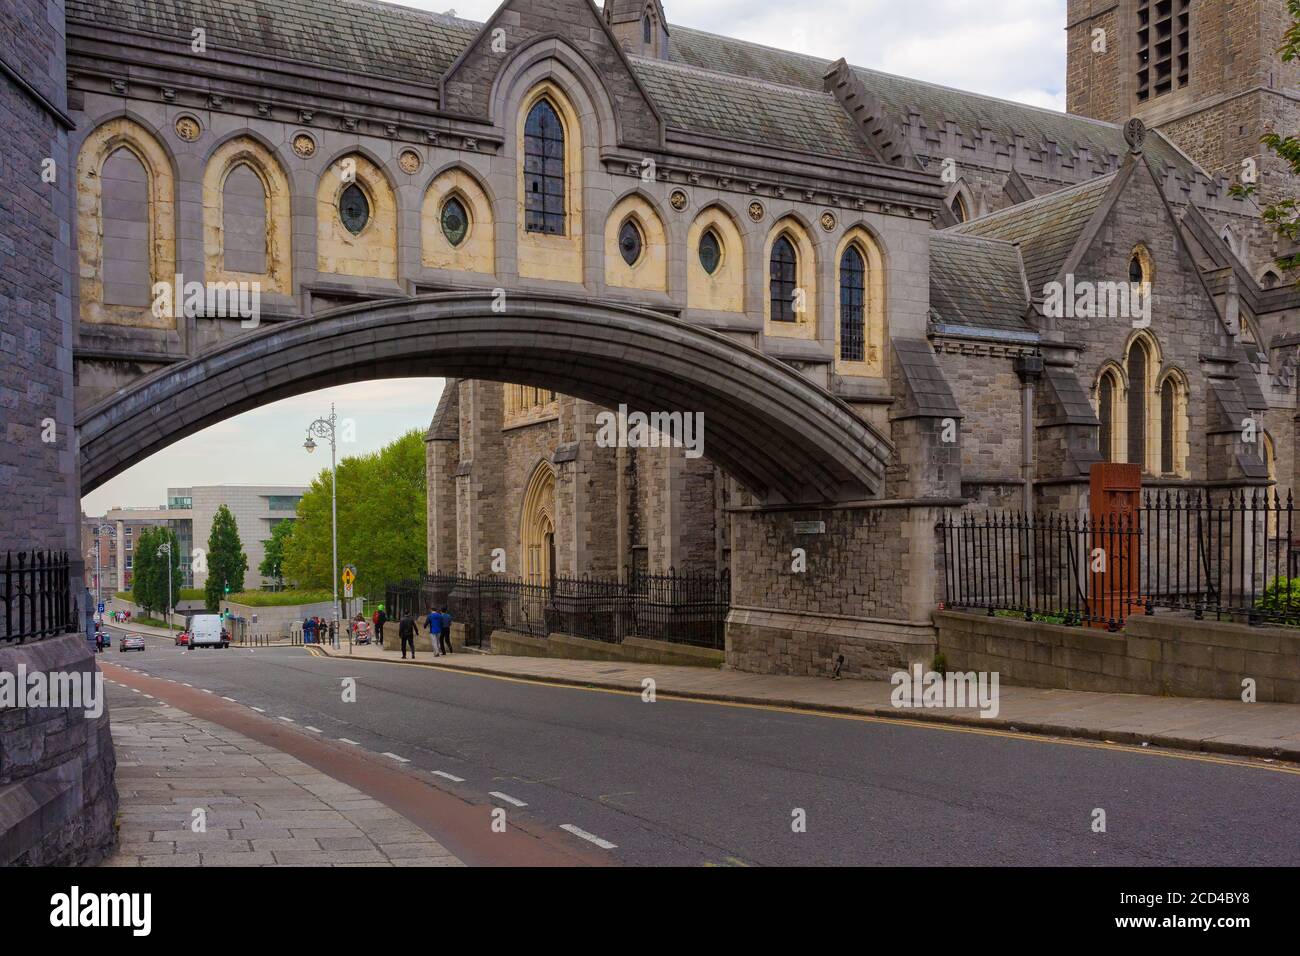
(380, 620)
(433, 624)
(444, 634)
(406, 631)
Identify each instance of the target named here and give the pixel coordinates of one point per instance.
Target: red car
(183, 639)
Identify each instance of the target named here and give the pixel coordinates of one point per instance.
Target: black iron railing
(1231, 554)
(680, 608)
(37, 596)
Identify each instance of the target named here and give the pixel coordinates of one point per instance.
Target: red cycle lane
(462, 826)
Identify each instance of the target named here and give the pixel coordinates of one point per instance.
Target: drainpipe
(1029, 368)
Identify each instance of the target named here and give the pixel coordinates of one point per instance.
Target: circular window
(710, 252)
(455, 221)
(354, 209)
(630, 242)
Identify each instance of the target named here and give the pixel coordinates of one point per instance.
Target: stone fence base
(57, 796)
(778, 642)
(1162, 654)
(640, 650)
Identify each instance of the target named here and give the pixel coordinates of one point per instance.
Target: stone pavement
(1213, 726)
(263, 807)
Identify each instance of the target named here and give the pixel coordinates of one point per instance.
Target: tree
(226, 559)
(1284, 214)
(149, 571)
(381, 518)
(272, 565)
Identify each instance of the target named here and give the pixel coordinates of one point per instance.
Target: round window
(710, 252)
(354, 209)
(455, 221)
(630, 242)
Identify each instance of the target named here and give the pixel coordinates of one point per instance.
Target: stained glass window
(544, 185)
(784, 269)
(630, 242)
(354, 209)
(853, 275)
(455, 221)
(710, 252)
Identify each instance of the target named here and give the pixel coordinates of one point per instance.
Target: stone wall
(57, 796)
(866, 593)
(1163, 654)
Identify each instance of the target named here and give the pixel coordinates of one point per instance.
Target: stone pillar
(441, 460)
(120, 555)
(480, 485)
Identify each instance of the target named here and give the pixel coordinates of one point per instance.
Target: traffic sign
(347, 590)
(101, 607)
(349, 575)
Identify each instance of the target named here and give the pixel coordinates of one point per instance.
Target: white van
(206, 631)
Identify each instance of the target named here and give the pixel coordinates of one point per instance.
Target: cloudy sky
(1011, 48)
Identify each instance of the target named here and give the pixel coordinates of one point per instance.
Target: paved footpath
(261, 806)
(1270, 731)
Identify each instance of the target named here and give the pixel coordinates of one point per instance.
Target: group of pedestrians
(437, 623)
(315, 630)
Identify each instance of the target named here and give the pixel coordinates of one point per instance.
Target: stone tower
(1206, 73)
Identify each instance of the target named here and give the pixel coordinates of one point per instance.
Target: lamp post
(166, 548)
(325, 428)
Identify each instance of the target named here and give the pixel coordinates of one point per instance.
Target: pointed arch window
(1168, 409)
(1137, 404)
(354, 209)
(853, 305)
(454, 221)
(1106, 392)
(784, 277)
(958, 207)
(710, 251)
(630, 242)
(544, 173)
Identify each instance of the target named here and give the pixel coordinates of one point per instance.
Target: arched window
(244, 224)
(1168, 425)
(455, 221)
(783, 280)
(630, 241)
(544, 186)
(1106, 414)
(354, 209)
(710, 251)
(853, 305)
(958, 207)
(1135, 274)
(125, 184)
(1137, 404)
(645, 28)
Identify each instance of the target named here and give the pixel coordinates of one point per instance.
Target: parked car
(183, 639)
(130, 642)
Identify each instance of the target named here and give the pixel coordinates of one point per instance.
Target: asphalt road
(689, 783)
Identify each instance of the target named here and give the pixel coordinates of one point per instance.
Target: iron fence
(1233, 555)
(680, 608)
(37, 596)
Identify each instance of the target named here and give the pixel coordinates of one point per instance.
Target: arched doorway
(537, 527)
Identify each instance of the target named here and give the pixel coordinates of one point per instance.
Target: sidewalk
(262, 807)
(1212, 726)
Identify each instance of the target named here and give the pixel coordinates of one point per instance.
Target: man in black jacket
(406, 631)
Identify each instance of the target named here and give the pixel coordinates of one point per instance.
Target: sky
(1014, 49)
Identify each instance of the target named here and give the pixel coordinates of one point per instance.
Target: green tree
(381, 518)
(1284, 214)
(149, 571)
(226, 559)
(272, 565)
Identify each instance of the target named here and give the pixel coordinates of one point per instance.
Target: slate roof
(1044, 229)
(936, 105)
(446, 419)
(751, 111)
(976, 284)
(359, 36)
(375, 38)
(926, 384)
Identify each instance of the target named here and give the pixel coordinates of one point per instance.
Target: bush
(278, 598)
(190, 594)
(1281, 601)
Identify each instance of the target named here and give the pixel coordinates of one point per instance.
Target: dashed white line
(448, 776)
(206, 691)
(287, 720)
(231, 699)
(589, 837)
(258, 709)
(396, 757)
(345, 740)
(507, 798)
(187, 684)
(314, 730)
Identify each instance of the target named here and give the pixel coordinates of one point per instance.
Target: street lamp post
(166, 548)
(325, 428)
